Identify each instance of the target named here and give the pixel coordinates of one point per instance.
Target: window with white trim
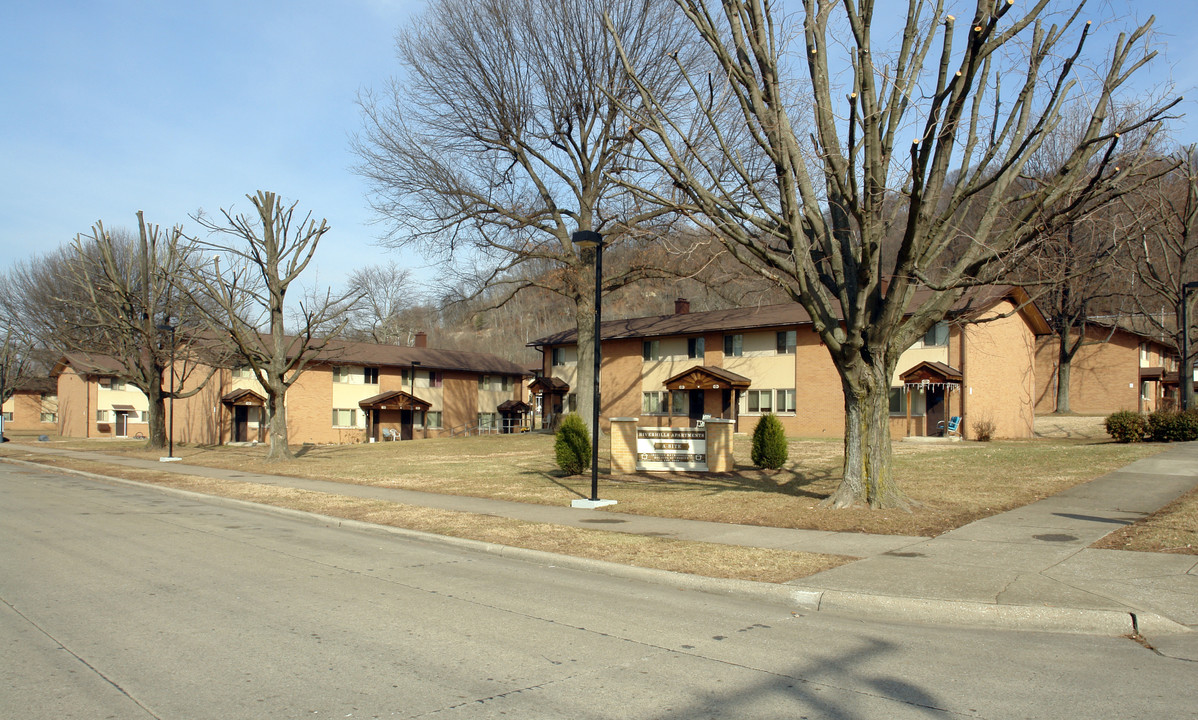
(103, 416)
(370, 375)
(785, 401)
(652, 402)
(345, 417)
(651, 350)
(433, 420)
(937, 336)
(7, 416)
(243, 372)
(680, 403)
(47, 417)
(759, 401)
(786, 342)
(341, 374)
(734, 345)
(695, 348)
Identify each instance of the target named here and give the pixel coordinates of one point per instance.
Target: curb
(857, 606)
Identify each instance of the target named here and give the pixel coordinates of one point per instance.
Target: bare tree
(507, 136)
(1164, 257)
(387, 292)
(844, 172)
(111, 294)
(246, 302)
(16, 360)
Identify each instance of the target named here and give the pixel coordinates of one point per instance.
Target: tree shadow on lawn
(743, 479)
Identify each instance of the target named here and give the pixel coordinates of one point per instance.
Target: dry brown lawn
(953, 484)
(1172, 529)
(697, 558)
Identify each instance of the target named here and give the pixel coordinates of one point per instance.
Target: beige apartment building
(353, 392)
(739, 364)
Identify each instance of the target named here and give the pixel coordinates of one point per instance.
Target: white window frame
(353, 417)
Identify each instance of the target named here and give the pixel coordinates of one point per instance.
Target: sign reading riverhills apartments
(675, 449)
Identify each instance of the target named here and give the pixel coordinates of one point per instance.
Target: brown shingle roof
(370, 354)
(782, 315)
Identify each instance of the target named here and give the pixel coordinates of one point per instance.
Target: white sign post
(671, 449)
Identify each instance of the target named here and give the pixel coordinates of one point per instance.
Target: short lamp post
(1185, 374)
(585, 240)
(171, 433)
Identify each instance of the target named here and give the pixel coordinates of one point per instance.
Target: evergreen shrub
(1126, 426)
(573, 445)
(769, 443)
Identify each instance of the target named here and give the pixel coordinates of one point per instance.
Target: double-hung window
(786, 342)
(760, 401)
(651, 350)
(786, 401)
(694, 348)
(734, 345)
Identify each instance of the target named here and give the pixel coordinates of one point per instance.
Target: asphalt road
(123, 602)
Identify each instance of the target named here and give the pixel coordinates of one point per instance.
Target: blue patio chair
(954, 425)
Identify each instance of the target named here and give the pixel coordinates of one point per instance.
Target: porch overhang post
(907, 389)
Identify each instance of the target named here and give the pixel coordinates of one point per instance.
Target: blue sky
(168, 107)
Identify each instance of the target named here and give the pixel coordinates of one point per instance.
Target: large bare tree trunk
(868, 473)
(276, 409)
(1064, 368)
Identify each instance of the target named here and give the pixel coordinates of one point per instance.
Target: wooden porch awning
(932, 373)
(549, 386)
(705, 377)
(514, 406)
(1152, 373)
(394, 400)
(244, 397)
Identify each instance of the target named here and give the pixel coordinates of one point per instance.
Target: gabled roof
(934, 372)
(39, 385)
(706, 377)
(394, 400)
(370, 354)
(552, 385)
(519, 406)
(89, 364)
(243, 397)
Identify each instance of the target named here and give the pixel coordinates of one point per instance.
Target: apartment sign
(677, 449)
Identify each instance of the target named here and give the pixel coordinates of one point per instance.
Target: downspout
(965, 388)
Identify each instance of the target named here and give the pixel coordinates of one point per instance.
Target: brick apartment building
(33, 407)
(738, 364)
(353, 392)
(1116, 369)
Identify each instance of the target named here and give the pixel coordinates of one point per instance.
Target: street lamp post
(585, 240)
(171, 434)
(1185, 373)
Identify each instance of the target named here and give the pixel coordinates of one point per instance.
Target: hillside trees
(507, 138)
(861, 138)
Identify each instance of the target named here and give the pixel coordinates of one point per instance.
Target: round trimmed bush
(1126, 426)
(769, 443)
(573, 445)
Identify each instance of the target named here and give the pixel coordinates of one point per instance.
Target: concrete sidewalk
(1028, 568)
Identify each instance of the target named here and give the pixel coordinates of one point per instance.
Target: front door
(241, 423)
(122, 424)
(405, 424)
(695, 406)
(934, 412)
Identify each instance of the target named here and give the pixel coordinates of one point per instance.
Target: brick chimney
(421, 339)
(682, 306)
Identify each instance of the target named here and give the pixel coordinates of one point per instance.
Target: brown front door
(122, 424)
(405, 424)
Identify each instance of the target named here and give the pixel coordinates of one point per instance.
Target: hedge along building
(352, 392)
(739, 364)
